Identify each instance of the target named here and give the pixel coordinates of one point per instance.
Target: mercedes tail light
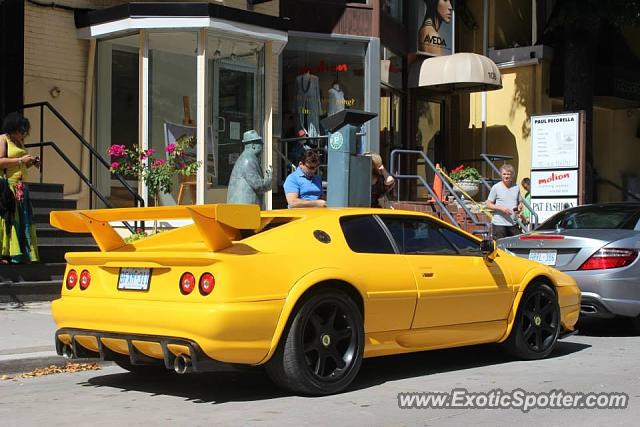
(72, 279)
(85, 279)
(610, 258)
(187, 283)
(207, 283)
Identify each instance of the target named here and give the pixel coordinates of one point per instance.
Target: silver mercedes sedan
(598, 246)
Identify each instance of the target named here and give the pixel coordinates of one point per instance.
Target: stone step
(46, 290)
(43, 271)
(55, 252)
(55, 204)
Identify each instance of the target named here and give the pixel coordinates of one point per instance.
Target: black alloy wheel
(321, 352)
(537, 324)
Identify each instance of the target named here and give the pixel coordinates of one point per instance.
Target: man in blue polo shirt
(303, 188)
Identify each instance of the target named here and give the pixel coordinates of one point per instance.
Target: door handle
(224, 124)
(424, 274)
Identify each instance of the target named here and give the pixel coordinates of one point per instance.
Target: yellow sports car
(306, 293)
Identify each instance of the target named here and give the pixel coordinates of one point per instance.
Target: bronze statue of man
(247, 183)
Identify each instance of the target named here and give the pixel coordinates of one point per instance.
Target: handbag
(7, 203)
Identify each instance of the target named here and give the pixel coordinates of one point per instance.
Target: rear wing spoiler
(217, 224)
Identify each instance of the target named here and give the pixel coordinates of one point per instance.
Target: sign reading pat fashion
(554, 183)
(554, 141)
(546, 208)
(433, 27)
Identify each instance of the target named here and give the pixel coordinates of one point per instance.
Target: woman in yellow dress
(17, 234)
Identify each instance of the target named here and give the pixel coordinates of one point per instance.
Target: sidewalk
(27, 337)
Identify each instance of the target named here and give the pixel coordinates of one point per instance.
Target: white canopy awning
(460, 72)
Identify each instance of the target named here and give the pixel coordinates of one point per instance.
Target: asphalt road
(603, 358)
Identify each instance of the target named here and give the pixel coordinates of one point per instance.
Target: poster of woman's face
(434, 27)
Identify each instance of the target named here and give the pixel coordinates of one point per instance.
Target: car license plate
(135, 279)
(544, 256)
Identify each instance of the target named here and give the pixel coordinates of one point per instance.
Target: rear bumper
(239, 332)
(609, 293)
(91, 344)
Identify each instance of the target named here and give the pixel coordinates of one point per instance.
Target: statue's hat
(251, 136)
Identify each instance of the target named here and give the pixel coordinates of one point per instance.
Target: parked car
(598, 246)
(306, 293)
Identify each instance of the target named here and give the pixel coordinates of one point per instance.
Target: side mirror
(488, 248)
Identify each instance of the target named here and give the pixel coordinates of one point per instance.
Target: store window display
(317, 84)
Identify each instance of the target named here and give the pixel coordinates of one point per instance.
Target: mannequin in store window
(308, 103)
(336, 99)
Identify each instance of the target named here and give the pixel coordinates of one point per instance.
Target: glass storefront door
(234, 102)
(234, 85)
(429, 136)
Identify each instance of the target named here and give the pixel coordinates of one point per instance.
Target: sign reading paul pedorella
(434, 23)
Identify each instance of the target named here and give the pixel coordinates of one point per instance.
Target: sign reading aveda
(434, 24)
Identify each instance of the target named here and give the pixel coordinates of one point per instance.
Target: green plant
(157, 173)
(462, 173)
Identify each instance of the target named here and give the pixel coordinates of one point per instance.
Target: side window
(364, 234)
(464, 244)
(418, 236)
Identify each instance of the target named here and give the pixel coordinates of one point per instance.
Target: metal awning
(460, 72)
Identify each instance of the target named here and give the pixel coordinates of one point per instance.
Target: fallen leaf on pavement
(55, 369)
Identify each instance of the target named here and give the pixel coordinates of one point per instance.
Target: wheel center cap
(326, 340)
(537, 320)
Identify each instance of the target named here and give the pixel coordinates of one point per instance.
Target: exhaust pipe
(182, 364)
(589, 309)
(67, 351)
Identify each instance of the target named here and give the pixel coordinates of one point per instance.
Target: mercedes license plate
(543, 256)
(135, 279)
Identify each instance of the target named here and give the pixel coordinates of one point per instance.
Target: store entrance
(234, 106)
(430, 136)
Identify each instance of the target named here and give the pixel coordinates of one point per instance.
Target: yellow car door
(385, 276)
(456, 285)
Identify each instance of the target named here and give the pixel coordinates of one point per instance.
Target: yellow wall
(616, 148)
(508, 124)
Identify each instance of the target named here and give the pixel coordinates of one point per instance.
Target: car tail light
(187, 283)
(541, 237)
(72, 279)
(85, 279)
(207, 283)
(610, 258)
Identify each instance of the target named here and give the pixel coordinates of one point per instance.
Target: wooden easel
(190, 180)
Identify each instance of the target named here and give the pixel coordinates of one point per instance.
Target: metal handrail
(81, 175)
(395, 171)
(138, 201)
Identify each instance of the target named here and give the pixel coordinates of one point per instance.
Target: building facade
(143, 73)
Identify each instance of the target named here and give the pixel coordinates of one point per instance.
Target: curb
(19, 363)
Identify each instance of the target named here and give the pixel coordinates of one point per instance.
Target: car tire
(321, 350)
(537, 324)
(635, 324)
(142, 370)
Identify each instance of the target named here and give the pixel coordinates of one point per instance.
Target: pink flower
(147, 153)
(157, 163)
(115, 165)
(117, 150)
(170, 148)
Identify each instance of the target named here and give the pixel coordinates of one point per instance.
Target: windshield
(594, 217)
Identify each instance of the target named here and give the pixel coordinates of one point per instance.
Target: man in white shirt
(505, 201)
